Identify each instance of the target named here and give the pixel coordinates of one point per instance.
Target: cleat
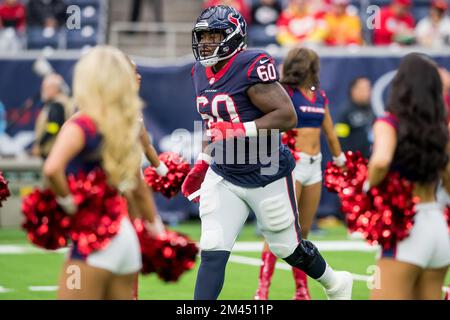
(343, 288)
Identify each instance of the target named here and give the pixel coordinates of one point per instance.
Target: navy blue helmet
(229, 24)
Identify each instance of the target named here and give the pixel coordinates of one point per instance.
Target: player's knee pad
(281, 250)
(276, 214)
(304, 256)
(212, 236)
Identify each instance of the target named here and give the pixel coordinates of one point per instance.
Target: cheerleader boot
(265, 275)
(301, 285)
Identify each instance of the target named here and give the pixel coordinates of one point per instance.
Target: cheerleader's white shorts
(428, 244)
(121, 256)
(308, 169)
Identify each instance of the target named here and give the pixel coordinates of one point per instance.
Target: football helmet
(227, 22)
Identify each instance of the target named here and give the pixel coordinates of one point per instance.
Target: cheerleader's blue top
(85, 161)
(89, 158)
(310, 112)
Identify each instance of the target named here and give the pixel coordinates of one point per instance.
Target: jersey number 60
(212, 114)
(267, 72)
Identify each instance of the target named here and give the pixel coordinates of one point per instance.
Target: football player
(245, 167)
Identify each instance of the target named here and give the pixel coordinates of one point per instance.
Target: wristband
(250, 129)
(340, 160)
(67, 204)
(162, 169)
(366, 186)
(204, 157)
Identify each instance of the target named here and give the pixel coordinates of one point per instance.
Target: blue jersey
(89, 157)
(310, 112)
(223, 97)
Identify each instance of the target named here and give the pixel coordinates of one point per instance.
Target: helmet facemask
(208, 52)
(226, 43)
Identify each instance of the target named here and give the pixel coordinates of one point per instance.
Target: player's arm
(385, 142)
(195, 178)
(332, 139)
(274, 102)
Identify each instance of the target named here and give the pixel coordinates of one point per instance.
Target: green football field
(26, 273)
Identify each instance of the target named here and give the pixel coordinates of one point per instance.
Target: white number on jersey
(267, 72)
(230, 106)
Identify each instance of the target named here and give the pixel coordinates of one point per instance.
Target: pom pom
(169, 255)
(385, 215)
(46, 224)
(100, 210)
(288, 138)
(169, 185)
(447, 217)
(336, 179)
(4, 191)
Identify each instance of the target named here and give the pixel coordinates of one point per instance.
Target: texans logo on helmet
(235, 21)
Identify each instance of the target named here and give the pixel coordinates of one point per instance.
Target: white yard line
(26, 249)
(283, 266)
(241, 246)
(343, 245)
(42, 288)
(5, 290)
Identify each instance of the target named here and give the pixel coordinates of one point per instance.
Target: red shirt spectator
(396, 24)
(239, 5)
(12, 14)
(298, 22)
(340, 27)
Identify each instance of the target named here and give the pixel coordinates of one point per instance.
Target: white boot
(343, 288)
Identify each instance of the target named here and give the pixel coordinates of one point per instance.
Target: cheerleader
(148, 148)
(412, 139)
(301, 80)
(152, 156)
(107, 96)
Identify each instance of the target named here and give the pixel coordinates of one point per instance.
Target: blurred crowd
(16, 17)
(343, 22)
(279, 22)
(38, 24)
(354, 122)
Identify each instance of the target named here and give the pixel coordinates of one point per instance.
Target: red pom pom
(46, 224)
(385, 215)
(169, 256)
(100, 210)
(4, 191)
(288, 138)
(169, 185)
(447, 216)
(336, 179)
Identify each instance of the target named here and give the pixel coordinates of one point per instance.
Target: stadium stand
(93, 29)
